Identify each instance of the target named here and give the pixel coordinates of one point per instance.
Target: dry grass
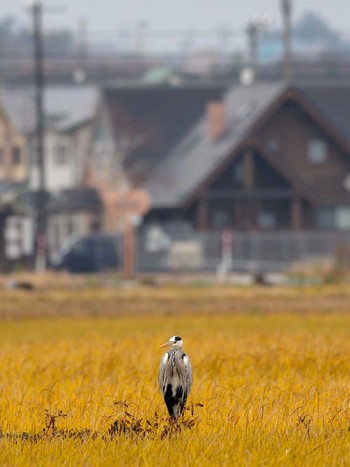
(271, 376)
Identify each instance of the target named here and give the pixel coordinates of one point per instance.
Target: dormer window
(317, 151)
(237, 173)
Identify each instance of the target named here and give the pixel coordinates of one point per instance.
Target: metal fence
(185, 250)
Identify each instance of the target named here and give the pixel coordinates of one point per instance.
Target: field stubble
(271, 376)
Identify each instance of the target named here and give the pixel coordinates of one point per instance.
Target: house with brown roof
(269, 156)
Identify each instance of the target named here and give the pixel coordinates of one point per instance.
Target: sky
(105, 17)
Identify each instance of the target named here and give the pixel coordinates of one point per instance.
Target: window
(60, 155)
(267, 220)
(273, 145)
(16, 155)
(343, 218)
(325, 218)
(317, 152)
(237, 173)
(334, 218)
(220, 219)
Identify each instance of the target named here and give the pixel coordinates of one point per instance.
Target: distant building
(265, 157)
(269, 156)
(13, 171)
(72, 208)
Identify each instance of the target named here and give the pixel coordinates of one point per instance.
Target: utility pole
(41, 198)
(79, 74)
(255, 27)
(252, 32)
(286, 6)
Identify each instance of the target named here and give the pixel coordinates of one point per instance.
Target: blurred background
(195, 136)
(98, 41)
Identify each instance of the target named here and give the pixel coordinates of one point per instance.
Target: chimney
(216, 119)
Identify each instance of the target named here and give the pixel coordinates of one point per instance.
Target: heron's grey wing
(188, 378)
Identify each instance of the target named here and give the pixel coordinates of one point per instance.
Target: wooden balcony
(251, 194)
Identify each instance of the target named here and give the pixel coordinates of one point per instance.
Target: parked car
(89, 253)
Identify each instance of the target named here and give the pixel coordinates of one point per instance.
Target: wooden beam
(296, 214)
(260, 193)
(2, 242)
(202, 221)
(249, 169)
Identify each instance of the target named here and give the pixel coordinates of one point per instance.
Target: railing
(238, 251)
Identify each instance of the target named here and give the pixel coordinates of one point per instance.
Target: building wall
(289, 133)
(13, 153)
(65, 159)
(104, 166)
(104, 170)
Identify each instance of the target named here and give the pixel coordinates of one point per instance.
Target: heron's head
(175, 342)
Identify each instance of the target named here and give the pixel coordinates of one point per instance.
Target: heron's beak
(167, 344)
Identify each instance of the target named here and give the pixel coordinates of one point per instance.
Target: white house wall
(59, 176)
(19, 237)
(70, 174)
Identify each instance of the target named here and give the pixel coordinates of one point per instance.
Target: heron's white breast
(165, 358)
(185, 360)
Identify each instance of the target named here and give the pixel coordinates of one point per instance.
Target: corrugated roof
(188, 165)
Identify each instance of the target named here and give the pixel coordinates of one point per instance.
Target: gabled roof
(196, 158)
(190, 163)
(65, 106)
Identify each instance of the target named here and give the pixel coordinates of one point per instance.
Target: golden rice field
(79, 376)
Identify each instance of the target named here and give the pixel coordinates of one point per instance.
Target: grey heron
(175, 377)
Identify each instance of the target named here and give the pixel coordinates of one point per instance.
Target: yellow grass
(271, 368)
